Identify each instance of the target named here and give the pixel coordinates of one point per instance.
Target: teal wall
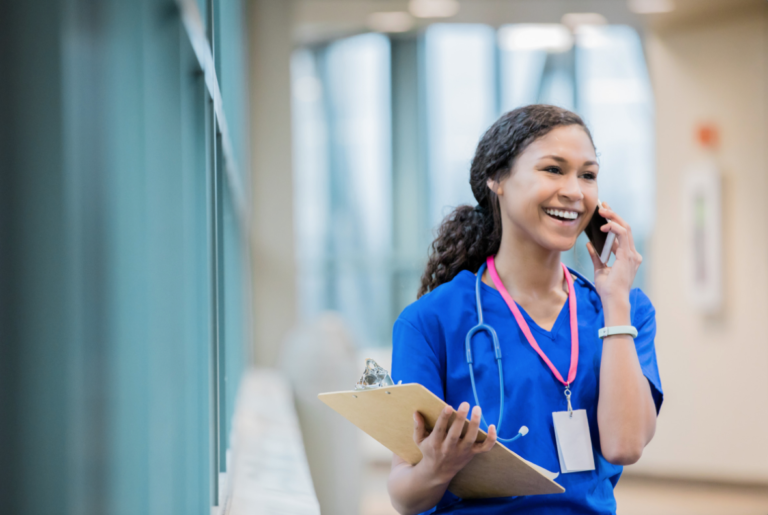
(123, 283)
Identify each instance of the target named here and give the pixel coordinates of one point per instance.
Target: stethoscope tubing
(482, 326)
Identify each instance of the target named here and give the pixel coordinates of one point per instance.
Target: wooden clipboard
(387, 415)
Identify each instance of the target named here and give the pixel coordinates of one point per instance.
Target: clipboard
(386, 414)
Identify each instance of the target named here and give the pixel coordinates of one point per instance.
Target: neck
(526, 268)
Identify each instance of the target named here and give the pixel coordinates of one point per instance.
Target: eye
(590, 176)
(553, 169)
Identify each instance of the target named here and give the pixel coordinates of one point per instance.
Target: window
(343, 180)
(124, 317)
(367, 203)
(461, 104)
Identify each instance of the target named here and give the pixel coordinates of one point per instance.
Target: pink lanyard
(527, 332)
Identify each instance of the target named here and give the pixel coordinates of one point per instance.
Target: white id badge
(574, 445)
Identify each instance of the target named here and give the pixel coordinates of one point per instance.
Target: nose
(571, 188)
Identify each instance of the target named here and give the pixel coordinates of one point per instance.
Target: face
(551, 192)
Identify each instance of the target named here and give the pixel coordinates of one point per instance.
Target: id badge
(574, 444)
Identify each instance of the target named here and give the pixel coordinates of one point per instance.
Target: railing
(269, 473)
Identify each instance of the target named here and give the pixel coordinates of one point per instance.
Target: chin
(560, 244)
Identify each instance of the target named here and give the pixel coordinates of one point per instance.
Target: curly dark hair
(468, 235)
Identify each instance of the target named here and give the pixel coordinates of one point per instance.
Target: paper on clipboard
(387, 415)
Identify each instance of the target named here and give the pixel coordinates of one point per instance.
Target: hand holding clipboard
(385, 411)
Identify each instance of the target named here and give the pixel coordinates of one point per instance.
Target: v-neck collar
(551, 334)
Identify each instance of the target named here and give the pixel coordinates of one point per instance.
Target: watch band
(617, 329)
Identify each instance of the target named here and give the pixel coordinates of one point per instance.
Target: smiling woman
(553, 189)
(588, 390)
(467, 236)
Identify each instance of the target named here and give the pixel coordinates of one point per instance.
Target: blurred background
(212, 210)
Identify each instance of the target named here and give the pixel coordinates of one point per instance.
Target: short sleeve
(644, 320)
(414, 360)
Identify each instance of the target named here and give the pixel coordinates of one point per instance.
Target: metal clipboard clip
(374, 376)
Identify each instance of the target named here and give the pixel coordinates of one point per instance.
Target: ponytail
(467, 236)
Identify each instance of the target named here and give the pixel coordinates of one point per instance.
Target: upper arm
(415, 359)
(644, 320)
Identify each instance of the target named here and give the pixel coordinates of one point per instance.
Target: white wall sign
(703, 235)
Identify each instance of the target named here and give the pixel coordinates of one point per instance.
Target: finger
(599, 265)
(489, 442)
(474, 425)
(614, 227)
(419, 431)
(611, 215)
(454, 432)
(441, 425)
(622, 238)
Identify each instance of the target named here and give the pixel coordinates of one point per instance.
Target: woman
(534, 176)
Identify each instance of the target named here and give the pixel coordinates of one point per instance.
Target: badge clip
(374, 376)
(568, 398)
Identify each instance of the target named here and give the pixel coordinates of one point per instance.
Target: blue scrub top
(428, 348)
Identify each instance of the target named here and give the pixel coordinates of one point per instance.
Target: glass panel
(109, 212)
(616, 101)
(232, 73)
(312, 182)
(461, 105)
(350, 257)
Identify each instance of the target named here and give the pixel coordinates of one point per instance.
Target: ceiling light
(575, 20)
(551, 37)
(650, 6)
(433, 8)
(592, 36)
(392, 21)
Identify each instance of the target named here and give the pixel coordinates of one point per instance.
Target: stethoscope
(497, 351)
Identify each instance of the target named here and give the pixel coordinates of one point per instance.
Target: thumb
(419, 433)
(595, 258)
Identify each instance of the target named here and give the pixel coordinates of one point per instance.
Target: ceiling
(323, 20)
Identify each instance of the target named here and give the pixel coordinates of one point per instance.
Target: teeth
(571, 215)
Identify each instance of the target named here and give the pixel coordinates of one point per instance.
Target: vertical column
(273, 262)
(35, 324)
(409, 173)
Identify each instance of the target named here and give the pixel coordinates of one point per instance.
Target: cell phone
(600, 240)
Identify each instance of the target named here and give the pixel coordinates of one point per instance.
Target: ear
(494, 187)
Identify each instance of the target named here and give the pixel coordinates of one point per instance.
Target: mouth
(564, 216)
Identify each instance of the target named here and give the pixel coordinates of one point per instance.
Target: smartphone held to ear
(601, 241)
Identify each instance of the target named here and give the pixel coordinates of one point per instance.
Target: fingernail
(414, 418)
(475, 410)
(464, 405)
(447, 410)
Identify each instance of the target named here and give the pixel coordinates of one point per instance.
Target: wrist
(617, 311)
(433, 474)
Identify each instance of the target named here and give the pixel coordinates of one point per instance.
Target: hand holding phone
(601, 241)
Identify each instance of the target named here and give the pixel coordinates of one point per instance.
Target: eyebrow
(563, 160)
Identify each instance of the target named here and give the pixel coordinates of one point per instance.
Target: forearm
(415, 488)
(626, 414)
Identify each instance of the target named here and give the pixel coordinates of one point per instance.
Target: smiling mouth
(563, 215)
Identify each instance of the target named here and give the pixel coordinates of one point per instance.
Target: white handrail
(269, 473)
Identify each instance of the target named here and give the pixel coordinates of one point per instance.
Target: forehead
(570, 142)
